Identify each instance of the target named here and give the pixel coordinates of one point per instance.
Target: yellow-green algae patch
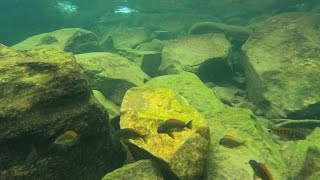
(145, 108)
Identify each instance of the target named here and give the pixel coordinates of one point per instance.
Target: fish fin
(245, 144)
(189, 124)
(145, 138)
(171, 135)
(33, 156)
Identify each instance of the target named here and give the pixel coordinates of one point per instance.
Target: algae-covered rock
(282, 66)
(111, 74)
(149, 61)
(241, 124)
(42, 95)
(145, 108)
(234, 33)
(112, 109)
(143, 169)
(192, 88)
(73, 40)
(226, 121)
(125, 37)
(191, 52)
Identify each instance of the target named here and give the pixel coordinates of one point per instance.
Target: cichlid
(130, 133)
(231, 142)
(69, 138)
(260, 170)
(173, 125)
(288, 133)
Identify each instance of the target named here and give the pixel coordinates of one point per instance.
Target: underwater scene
(160, 90)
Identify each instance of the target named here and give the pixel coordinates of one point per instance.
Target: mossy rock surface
(191, 52)
(145, 108)
(111, 74)
(140, 170)
(282, 66)
(73, 40)
(112, 109)
(192, 88)
(125, 37)
(42, 95)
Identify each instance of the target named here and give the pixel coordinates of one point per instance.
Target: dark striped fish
(260, 170)
(173, 125)
(130, 133)
(288, 133)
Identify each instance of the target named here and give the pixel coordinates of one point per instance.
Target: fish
(69, 138)
(33, 156)
(173, 125)
(231, 142)
(130, 133)
(288, 133)
(260, 170)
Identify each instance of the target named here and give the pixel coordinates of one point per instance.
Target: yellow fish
(69, 138)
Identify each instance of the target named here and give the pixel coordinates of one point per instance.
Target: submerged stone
(282, 66)
(145, 109)
(73, 40)
(43, 94)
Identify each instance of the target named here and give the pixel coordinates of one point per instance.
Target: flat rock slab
(143, 169)
(282, 64)
(73, 40)
(190, 52)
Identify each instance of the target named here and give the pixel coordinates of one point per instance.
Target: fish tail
(189, 124)
(245, 144)
(145, 138)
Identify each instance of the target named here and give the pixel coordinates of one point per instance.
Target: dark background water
(23, 18)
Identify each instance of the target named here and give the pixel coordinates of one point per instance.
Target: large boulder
(234, 33)
(143, 169)
(124, 37)
(223, 121)
(194, 53)
(73, 40)
(42, 95)
(149, 61)
(144, 109)
(111, 74)
(282, 66)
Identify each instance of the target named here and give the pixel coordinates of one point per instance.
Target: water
(235, 83)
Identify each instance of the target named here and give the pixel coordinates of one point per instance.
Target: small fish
(231, 142)
(173, 125)
(129, 133)
(33, 156)
(260, 170)
(288, 133)
(69, 138)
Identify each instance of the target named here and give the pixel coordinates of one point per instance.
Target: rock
(154, 45)
(144, 109)
(192, 52)
(163, 35)
(148, 61)
(226, 94)
(222, 120)
(73, 40)
(240, 123)
(192, 88)
(43, 94)
(111, 74)
(234, 33)
(282, 66)
(143, 169)
(112, 109)
(125, 37)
